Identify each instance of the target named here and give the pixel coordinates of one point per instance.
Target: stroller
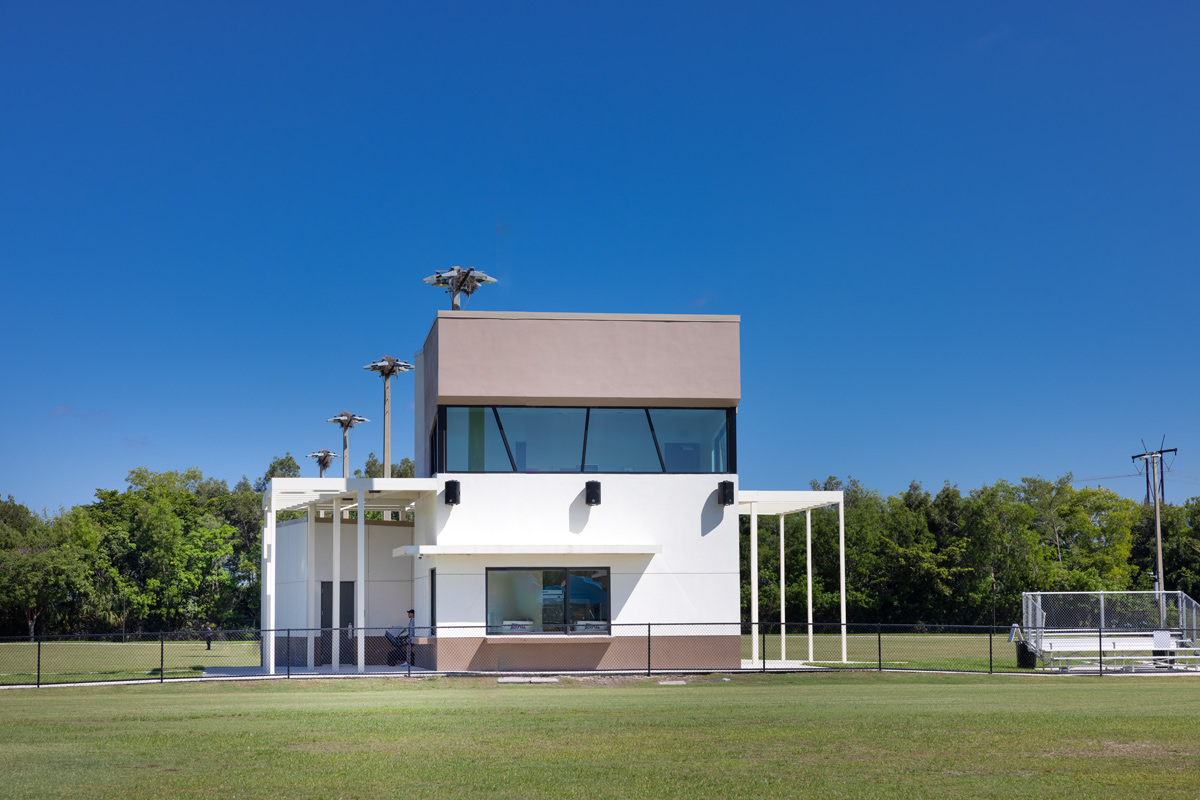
(401, 652)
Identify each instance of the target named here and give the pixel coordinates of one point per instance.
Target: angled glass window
(692, 439)
(544, 439)
(473, 441)
(619, 440)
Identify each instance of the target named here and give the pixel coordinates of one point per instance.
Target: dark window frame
(730, 439)
(487, 574)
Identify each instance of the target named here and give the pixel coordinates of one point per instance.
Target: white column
(268, 579)
(335, 633)
(808, 558)
(360, 584)
(754, 582)
(842, 566)
(782, 598)
(312, 615)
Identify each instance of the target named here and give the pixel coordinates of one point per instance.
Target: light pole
(324, 459)
(459, 280)
(388, 367)
(347, 421)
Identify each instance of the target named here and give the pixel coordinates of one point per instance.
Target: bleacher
(1120, 631)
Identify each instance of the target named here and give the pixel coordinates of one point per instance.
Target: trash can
(1026, 658)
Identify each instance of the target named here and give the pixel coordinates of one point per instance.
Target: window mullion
(587, 417)
(566, 612)
(654, 436)
(511, 462)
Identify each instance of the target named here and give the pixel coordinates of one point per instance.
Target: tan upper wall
(581, 359)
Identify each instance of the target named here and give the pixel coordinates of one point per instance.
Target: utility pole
(1153, 461)
(347, 421)
(388, 367)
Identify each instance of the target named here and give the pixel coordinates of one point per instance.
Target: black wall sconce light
(453, 493)
(725, 493)
(592, 493)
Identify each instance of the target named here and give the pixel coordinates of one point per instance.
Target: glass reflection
(545, 439)
(619, 440)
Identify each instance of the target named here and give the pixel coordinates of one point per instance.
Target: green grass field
(754, 736)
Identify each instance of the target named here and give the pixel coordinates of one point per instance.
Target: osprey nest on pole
(457, 281)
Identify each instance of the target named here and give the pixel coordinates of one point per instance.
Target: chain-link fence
(1111, 611)
(640, 648)
(125, 656)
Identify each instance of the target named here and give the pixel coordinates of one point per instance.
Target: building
(577, 482)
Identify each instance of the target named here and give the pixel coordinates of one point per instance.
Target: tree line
(177, 550)
(950, 558)
(172, 551)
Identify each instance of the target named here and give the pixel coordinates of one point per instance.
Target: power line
(1106, 478)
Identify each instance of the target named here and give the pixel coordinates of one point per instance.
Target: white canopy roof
(784, 502)
(383, 494)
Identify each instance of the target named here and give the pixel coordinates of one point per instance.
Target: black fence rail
(644, 648)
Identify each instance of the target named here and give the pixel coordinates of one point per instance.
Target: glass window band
(572, 439)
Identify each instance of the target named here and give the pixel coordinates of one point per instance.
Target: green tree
(1181, 547)
(1047, 499)
(373, 468)
(280, 467)
(1006, 551)
(1098, 530)
(172, 556)
(43, 563)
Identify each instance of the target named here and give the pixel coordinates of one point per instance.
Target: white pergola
(335, 495)
(783, 503)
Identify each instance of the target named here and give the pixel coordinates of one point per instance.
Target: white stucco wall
(291, 538)
(694, 579)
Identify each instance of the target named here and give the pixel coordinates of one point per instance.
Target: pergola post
(754, 582)
(360, 584)
(782, 598)
(335, 624)
(268, 579)
(842, 567)
(808, 559)
(312, 612)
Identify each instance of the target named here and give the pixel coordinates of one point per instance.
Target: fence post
(289, 654)
(991, 636)
(39, 664)
(162, 651)
(762, 645)
(647, 649)
(879, 644)
(1100, 653)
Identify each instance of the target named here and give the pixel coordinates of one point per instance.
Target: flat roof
(610, 317)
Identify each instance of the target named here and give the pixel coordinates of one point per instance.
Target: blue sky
(962, 237)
